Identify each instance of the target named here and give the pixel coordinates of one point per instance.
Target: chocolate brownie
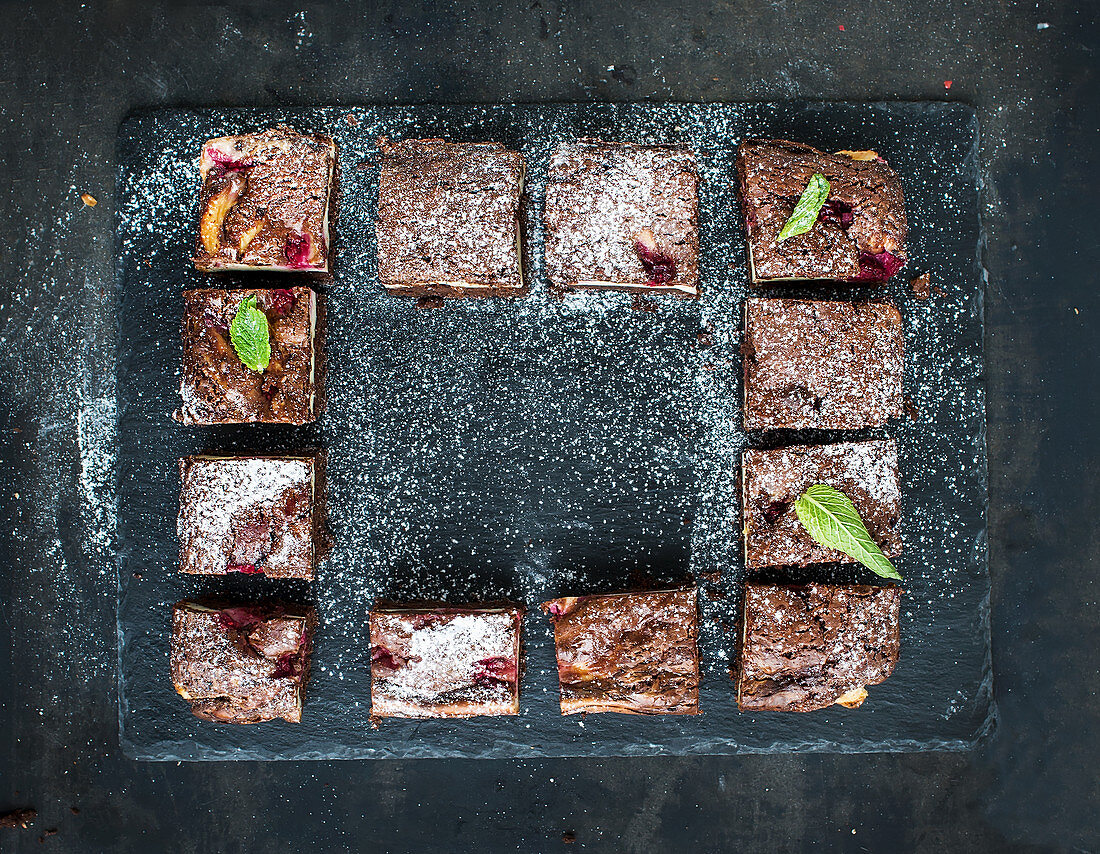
(218, 388)
(623, 217)
(448, 219)
(821, 365)
(264, 201)
(444, 662)
(241, 664)
(771, 482)
(805, 648)
(860, 232)
(249, 514)
(634, 653)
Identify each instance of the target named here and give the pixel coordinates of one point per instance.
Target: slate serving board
(538, 447)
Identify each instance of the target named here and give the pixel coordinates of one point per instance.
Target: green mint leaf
(829, 516)
(250, 335)
(808, 207)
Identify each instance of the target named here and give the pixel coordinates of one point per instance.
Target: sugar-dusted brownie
(860, 232)
(443, 662)
(250, 514)
(807, 647)
(244, 663)
(448, 218)
(264, 201)
(216, 387)
(623, 217)
(821, 365)
(634, 653)
(771, 482)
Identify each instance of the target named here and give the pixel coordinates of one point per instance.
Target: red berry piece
(281, 301)
(299, 248)
(659, 267)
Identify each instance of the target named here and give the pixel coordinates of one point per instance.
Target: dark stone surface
(69, 75)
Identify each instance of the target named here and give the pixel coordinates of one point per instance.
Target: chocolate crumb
(922, 285)
(51, 832)
(74, 810)
(569, 837)
(351, 119)
(18, 818)
(911, 411)
(430, 302)
(703, 340)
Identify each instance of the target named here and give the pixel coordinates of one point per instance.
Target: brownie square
(249, 514)
(860, 233)
(444, 662)
(771, 482)
(448, 219)
(264, 201)
(216, 387)
(241, 664)
(805, 648)
(623, 217)
(821, 365)
(634, 653)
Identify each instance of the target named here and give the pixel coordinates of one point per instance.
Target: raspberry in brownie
(445, 662)
(807, 647)
(241, 664)
(250, 514)
(623, 217)
(860, 231)
(264, 201)
(821, 365)
(771, 482)
(448, 219)
(218, 388)
(634, 653)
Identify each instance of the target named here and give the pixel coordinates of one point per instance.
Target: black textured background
(67, 77)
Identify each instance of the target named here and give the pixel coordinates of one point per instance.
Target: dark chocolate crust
(441, 662)
(264, 201)
(448, 218)
(867, 472)
(863, 218)
(601, 195)
(806, 648)
(821, 365)
(217, 388)
(634, 653)
(248, 514)
(241, 664)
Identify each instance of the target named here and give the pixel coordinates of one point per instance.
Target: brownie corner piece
(241, 664)
(249, 514)
(808, 647)
(448, 219)
(264, 202)
(624, 217)
(445, 662)
(860, 232)
(634, 653)
(772, 480)
(216, 387)
(812, 364)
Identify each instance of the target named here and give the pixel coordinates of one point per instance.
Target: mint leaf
(829, 516)
(808, 207)
(250, 335)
